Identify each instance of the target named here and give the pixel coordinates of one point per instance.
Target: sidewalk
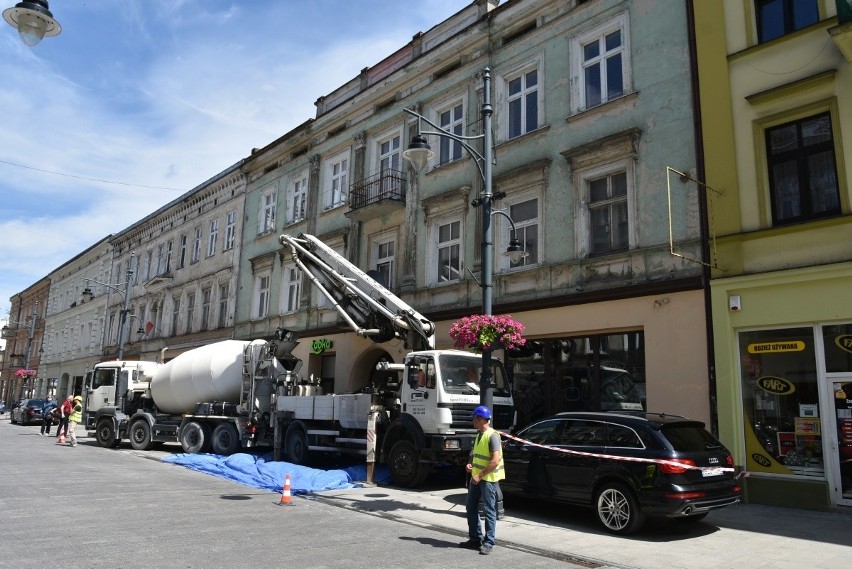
(750, 536)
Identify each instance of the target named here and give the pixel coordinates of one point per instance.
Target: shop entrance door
(840, 448)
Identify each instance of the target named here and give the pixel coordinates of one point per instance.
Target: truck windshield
(461, 374)
(103, 378)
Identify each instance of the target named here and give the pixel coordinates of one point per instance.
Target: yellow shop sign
(776, 347)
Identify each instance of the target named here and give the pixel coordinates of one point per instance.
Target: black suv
(626, 465)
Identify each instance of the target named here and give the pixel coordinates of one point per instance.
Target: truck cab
(112, 386)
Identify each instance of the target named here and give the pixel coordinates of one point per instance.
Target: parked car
(28, 411)
(624, 464)
(2, 406)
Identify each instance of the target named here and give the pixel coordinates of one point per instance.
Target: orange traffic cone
(61, 440)
(286, 498)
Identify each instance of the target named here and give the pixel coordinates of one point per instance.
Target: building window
(148, 262)
(205, 309)
(802, 171)
(261, 296)
(523, 102)
(384, 255)
(230, 231)
(182, 257)
(169, 247)
(389, 153)
(190, 311)
(196, 245)
(776, 18)
(601, 64)
(161, 259)
(213, 236)
(451, 119)
(526, 216)
(298, 198)
(291, 290)
(338, 176)
(447, 239)
(175, 315)
(223, 305)
(267, 213)
(608, 218)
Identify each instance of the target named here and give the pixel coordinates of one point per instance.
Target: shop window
(837, 341)
(591, 373)
(783, 434)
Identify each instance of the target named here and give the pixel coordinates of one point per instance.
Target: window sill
(523, 138)
(447, 166)
(622, 101)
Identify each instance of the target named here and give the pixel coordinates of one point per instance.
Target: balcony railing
(385, 186)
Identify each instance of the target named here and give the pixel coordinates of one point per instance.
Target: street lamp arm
(110, 286)
(479, 159)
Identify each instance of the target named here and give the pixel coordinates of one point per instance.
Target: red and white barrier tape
(673, 463)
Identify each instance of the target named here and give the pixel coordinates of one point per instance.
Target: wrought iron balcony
(377, 195)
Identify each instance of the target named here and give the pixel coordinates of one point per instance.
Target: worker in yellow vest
(486, 471)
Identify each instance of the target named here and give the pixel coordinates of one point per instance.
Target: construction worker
(486, 470)
(75, 417)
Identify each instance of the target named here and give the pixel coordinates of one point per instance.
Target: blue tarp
(264, 473)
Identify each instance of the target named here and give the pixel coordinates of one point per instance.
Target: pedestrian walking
(486, 471)
(75, 417)
(47, 417)
(64, 411)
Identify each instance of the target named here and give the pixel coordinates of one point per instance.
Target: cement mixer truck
(212, 398)
(414, 415)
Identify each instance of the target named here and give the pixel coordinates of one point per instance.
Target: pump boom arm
(369, 308)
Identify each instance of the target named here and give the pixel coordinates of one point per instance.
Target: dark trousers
(63, 424)
(46, 423)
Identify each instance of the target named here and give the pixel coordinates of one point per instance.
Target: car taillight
(669, 468)
(685, 495)
(737, 489)
(730, 461)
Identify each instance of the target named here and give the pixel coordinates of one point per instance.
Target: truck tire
(140, 435)
(105, 434)
(405, 467)
(296, 444)
(226, 440)
(194, 438)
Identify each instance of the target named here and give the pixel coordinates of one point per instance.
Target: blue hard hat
(482, 411)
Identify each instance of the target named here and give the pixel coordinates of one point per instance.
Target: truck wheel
(194, 438)
(296, 444)
(405, 466)
(140, 435)
(105, 434)
(225, 439)
(618, 509)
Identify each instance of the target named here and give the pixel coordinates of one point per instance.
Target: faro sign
(320, 345)
(775, 385)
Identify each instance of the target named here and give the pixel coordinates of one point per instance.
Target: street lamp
(419, 153)
(33, 20)
(88, 294)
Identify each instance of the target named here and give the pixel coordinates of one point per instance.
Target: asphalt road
(88, 507)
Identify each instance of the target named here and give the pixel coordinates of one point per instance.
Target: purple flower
(481, 332)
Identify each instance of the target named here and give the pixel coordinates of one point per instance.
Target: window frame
(260, 297)
(504, 230)
(339, 196)
(435, 246)
(800, 158)
(196, 245)
(504, 122)
(579, 92)
(453, 146)
(291, 289)
(584, 226)
(788, 18)
(267, 211)
(230, 231)
(212, 237)
(376, 244)
(297, 197)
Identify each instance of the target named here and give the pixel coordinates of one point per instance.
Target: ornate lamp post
(419, 153)
(87, 292)
(33, 20)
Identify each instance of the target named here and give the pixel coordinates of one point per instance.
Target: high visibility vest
(77, 413)
(482, 456)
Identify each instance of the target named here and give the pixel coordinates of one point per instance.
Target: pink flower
(481, 332)
(24, 373)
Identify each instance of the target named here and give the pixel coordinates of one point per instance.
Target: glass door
(840, 447)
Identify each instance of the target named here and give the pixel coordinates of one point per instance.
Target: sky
(136, 102)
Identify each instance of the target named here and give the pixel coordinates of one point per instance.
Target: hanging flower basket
(25, 373)
(480, 332)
